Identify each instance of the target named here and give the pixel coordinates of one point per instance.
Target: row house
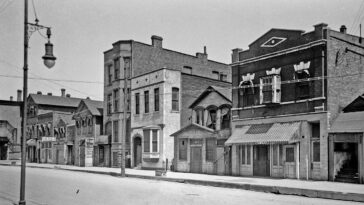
(288, 88)
(199, 146)
(10, 128)
(151, 71)
(47, 119)
(88, 149)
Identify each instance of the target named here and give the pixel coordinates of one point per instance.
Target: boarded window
(116, 131)
(243, 155)
(316, 151)
(182, 149)
(175, 99)
(210, 149)
(155, 141)
(290, 154)
(146, 101)
(146, 134)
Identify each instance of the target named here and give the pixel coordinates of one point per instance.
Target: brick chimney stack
(157, 41)
(19, 96)
(343, 29)
(63, 92)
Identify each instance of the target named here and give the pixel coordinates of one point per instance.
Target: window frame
(146, 101)
(108, 104)
(117, 68)
(156, 99)
(116, 94)
(245, 155)
(137, 103)
(175, 99)
(109, 71)
(115, 133)
(148, 144)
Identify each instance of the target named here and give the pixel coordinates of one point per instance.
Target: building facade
(199, 146)
(148, 63)
(288, 88)
(88, 121)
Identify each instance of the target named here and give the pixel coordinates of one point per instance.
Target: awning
(351, 122)
(273, 133)
(32, 142)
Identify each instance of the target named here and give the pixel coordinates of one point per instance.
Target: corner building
(288, 88)
(161, 85)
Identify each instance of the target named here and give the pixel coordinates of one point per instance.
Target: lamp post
(49, 61)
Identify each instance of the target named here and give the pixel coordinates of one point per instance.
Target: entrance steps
(348, 173)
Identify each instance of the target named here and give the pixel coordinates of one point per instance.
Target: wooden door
(196, 160)
(137, 151)
(261, 161)
(290, 161)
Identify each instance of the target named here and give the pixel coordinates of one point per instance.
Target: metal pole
(126, 63)
(24, 115)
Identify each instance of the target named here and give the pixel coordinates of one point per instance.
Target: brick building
(199, 146)
(150, 66)
(10, 128)
(47, 120)
(288, 88)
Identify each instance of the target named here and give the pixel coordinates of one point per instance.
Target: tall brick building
(288, 88)
(151, 70)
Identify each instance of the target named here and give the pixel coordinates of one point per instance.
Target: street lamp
(49, 61)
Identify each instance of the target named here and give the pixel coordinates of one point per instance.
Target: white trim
(272, 38)
(275, 116)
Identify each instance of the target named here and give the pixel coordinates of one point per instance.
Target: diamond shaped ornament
(274, 41)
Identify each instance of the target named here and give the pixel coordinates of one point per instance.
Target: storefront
(101, 152)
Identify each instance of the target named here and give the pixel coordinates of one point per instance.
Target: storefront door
(261, 161)
(196, 160)
(290, 161)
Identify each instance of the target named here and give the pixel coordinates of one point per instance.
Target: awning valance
(274, 133)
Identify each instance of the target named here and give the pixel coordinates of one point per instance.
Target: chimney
(88, 98)
(235, 55)
(343, 29)
(19, 96)
(50, 94)
(319, 30)
(68, 95)
(157, 41)
(39, 93)
(63, 92)
(11, 98)
(204, 50)
(202, 56)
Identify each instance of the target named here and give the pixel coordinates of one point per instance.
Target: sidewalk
(314, 189)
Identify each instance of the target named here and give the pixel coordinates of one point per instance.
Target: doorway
(290, 161)
(261, 161)
(3, 148)
(196, 159)
(137, 151)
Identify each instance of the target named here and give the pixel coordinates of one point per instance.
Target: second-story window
(175, 99)
(199, 116)
(211, 118)
(225, 118)
(108, 108)
(146, 101)
(156, 99)
(117, 68)
(302, 87)
(116, 100)
(109, 72)
(137, 103)
(270, 87)
(247, 94)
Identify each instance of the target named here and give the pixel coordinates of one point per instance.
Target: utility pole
(125, 107)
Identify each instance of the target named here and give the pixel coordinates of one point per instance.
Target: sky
(83, 29)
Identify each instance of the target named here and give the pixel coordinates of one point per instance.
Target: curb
(345, 196)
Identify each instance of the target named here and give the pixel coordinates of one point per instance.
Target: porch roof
(274, 133)
(351, 122)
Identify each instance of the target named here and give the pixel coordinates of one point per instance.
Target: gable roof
(94, 106)
(192, 125)
(274, 30)
(55, 100)
(224, 92)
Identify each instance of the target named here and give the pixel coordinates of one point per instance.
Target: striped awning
(273, 133)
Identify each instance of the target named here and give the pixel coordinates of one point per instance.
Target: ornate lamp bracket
(33, 27)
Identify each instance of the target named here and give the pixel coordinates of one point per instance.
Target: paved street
(46, 186)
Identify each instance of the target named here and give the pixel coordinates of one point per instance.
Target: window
(225, 118)
(215, 75)
(247, 94)
(116, 100)
(154, 140)
(117, 68)
(182, 149)
(223, 77)
(210, 149)
(146, 101)
(108, 108)
(137, 103)
(187, 69)
(316, 151)
(303, 87)
(211, 118)
(116, 131)
(128, 100)
(156, 99)
(245, 154)
(175, 99)
(109, 79)
(127, 67)
(101, 154)
(289, 154)
(270, 88)
(146, 134)
(199, 116)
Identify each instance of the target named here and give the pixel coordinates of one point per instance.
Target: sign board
(48, 139)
